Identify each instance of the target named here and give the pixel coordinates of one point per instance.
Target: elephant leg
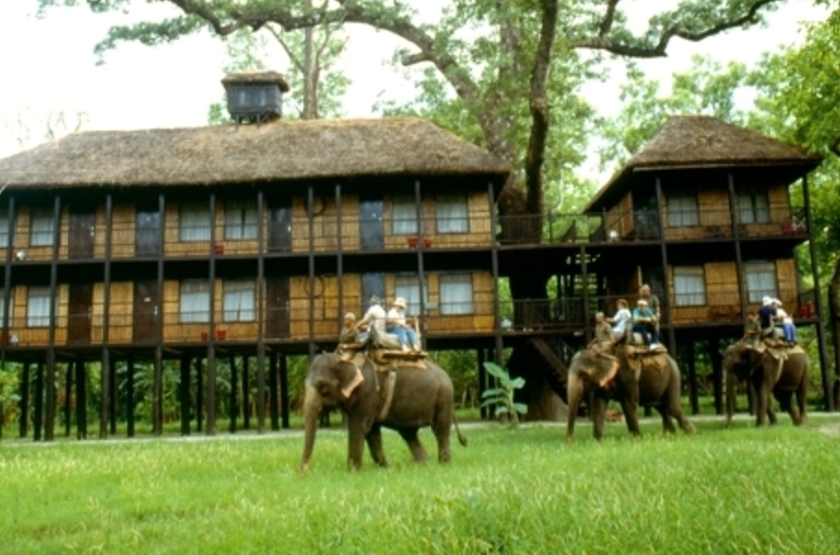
(667, 423)
(356, 442)
(802, 401)
(599, 414)
(762, 403)
(409, 435)
(731, 384)
(785, 398)
(629, 408)
(441, 427)
(374, 441)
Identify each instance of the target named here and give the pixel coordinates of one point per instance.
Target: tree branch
(603, 42)
(609, 17)
(294, 59)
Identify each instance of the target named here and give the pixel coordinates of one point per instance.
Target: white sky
(48, 66)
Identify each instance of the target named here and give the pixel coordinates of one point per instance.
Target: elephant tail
(461, 438)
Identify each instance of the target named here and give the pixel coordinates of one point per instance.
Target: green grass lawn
(742, 490)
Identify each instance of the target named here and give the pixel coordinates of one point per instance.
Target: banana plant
(501, 397)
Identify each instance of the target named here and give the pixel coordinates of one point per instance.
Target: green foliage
(742, 490)
(707, 88)
(501, 396)
(9, 381)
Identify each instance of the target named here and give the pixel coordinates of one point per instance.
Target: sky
(48, 68)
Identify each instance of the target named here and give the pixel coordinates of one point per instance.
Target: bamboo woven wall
(620, 217)
(723, 300)
(122, 232)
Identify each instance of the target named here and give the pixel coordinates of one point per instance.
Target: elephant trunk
(574, 392)
(311, 410)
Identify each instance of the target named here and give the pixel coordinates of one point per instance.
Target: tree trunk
(834, 312)
(310, 77)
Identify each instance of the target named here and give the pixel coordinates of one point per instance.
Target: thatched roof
(688, 142)
(257, 77)
(281, 150)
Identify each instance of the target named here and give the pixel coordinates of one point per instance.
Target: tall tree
(497, 56)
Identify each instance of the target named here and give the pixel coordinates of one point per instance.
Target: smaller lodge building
(250, 241)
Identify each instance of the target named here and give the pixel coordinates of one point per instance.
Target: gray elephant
(784, 376)
(603, 377)
(422, 396)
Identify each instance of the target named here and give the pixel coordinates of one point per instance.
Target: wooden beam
(261, 313)
(272, 388)
(24, 399)
(284, 391)
(130, 404)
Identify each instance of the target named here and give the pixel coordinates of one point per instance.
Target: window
(761, 280)
(238, 301)
(408, 287)
(41, 229)
(404, 216)
(195, 222)
(451, 214)
(240, 220)
(195, 302)
(689, 286)
(753, 208)
(4, 231)
(682, 210)
(38, 307)
(456, 294)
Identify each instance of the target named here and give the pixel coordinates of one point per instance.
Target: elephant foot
(304, 468)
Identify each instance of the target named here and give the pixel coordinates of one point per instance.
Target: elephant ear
(350, 377)
(604, 370)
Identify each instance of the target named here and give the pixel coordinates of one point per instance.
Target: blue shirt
(766, 314)
(642, 313)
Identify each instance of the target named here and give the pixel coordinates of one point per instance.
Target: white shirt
(375, 317)
(622, 318)
(396, 317)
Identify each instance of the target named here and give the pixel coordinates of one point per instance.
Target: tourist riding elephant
(422, 396)
(604, 377)
(784, 377)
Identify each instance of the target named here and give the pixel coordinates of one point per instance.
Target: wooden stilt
(112, 396)
(199, 394)
(284, 391)
(38, 418)
(272, 389)
(24, 400)
(184, 394)
(68, 394)
(234, 384)
(129, 404)
(246, 390)
(81, 400)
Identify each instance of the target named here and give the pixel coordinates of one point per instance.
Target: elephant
(422, 396)
(604, 377)
(762, 372)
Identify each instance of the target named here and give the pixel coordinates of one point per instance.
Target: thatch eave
(702, 143)
(271, 152)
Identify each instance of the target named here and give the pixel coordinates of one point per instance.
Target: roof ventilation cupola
(255, 96)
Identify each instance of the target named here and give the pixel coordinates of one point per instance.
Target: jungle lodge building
(250, 241)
